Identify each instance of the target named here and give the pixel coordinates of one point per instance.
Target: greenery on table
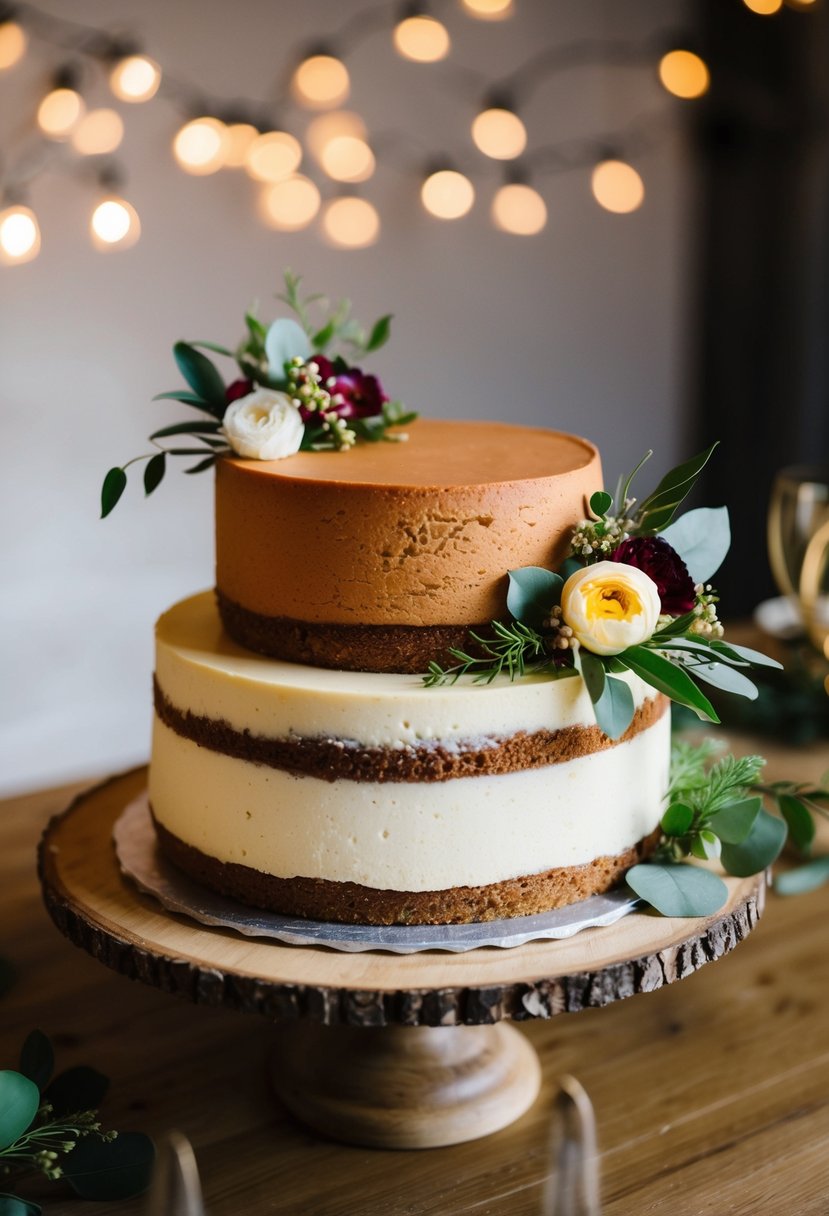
(50, 1125)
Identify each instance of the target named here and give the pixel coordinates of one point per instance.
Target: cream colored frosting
(201, 670)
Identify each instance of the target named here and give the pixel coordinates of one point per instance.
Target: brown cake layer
(338, 760)
(351, 903)
(388, 648)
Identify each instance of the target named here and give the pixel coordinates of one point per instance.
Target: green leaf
(663, 675)
(187, 428)
(192, 399)
(379, 335)
(593, 673)
(702, 539)
(323, 336)
(114, 485)
(214, 346)
(19, 1100)
(760, 848)
(533, 593)
(623, 488)
(805, 878)
(284, 340)
(114, 1169)
(13, 1205)
(755, 657)
(600, 503)
(201, 375)
(154, 472)
(801, 824)
(257, 330)
(734, 822)
(78, 1088)
(677, 819)
(37, 1059)
(706, 845)
(615, 708)
(207, 463)
(658, 509)
(677, 889)
(719, 675)
(678, 626)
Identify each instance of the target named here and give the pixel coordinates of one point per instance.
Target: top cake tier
(380, 558)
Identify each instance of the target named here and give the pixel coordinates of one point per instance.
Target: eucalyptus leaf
(570, 565)
(706, 845)
(593, 674)
(154, 472)
(719, 675)
(201, 375)
(801, 824)
(615, 707)
(702, 539)
(805, 878)
(677, 819)
(78, 1088)
(13, 1205)
(666, 677)
(532, 593)
(37, 1059)
(658, 509)
(285, 340)
(760, 848)
(19, 1101)
(678, 889)
(379, 335)
(600, 503)
(114, 485)
(733, 823)
(113, 1169)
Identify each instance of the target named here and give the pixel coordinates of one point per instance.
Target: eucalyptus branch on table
(51, 1126)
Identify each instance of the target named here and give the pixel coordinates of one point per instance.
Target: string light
(519, 209)
(98, 132)
(325, 127)
(239, 139)
(350, 223)
(765, 8)
(12, 44)
(59, 112)
(447, 194)
(684, 74)
(321, 81)
(114, 225)
(19, 235)
(489, 10)
(272, 156)
(135, 78)
(199, 147)
(498, 132)
(347, 158)
(617, 186)
(422, 39)
(291, 204)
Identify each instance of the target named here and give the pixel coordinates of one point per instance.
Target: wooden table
(712, 1095)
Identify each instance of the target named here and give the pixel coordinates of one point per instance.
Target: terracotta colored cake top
(416, 533)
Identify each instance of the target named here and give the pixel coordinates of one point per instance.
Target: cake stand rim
(543, 993)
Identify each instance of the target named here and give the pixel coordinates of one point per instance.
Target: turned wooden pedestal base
(405, 1086)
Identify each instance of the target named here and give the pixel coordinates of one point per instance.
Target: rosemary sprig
(514, 647)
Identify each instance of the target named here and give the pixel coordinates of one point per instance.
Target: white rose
(265, 425)
(610, 606)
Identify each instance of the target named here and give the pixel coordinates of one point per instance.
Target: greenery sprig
(51, 1126)
(514, 649)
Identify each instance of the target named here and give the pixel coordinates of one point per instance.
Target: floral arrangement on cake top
(298, 389)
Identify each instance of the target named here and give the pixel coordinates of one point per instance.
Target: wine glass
(797, 525)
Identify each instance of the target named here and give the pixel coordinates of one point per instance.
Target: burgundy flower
(664, 565)
(362, 395)
(239, 388)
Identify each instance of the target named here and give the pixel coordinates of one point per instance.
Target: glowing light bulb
(135, 78)
(617, 186)
(272, 156)
(291, 204)
(347, 158)
(499, 133)
(447, 194)
(422, 39)
(325, 127)
(489, 10)
(19, 235)
(765, 8)
(199, 147)
(59, 113)
(114, 225)
(320, 82)
(99, 131)
(350, 223)
(13, 44)
(240, 138)
(684, 74)
(519, 209)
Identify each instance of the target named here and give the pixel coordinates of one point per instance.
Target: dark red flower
(354, 394)
(239, 388)
(664, 565)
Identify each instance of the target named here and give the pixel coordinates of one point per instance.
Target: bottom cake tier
(366, 798)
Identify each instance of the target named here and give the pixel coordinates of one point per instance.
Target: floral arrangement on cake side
(634, 595)
(297, 389)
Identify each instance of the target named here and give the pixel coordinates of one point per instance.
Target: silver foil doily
(141, 860)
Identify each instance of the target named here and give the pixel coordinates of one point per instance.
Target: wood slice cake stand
(386, 1050)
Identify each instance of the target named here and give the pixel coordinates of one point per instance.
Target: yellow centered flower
(610, 606)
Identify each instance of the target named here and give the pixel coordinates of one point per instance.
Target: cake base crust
(351, 903)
